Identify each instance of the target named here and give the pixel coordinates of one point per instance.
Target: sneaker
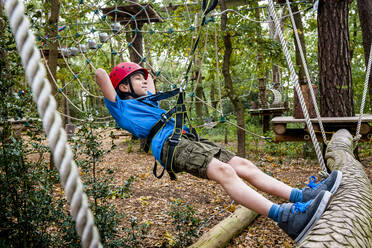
(297, 219)
(331, 184)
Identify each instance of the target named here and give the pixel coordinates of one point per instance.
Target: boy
(204, 159)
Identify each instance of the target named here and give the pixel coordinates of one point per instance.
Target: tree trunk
(52, 31)
(238, 106)
(230, 227)
(336, 91)
(262, 88)
(206, 110)
(213, 94)
(260, 72)
(347, 221)
(198, 80)
(65, 104)
(300, 30)
(365, 17)
(136, 56)
(297, 113)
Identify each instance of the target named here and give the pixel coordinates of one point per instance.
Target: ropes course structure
(110, 35)
(294, 80)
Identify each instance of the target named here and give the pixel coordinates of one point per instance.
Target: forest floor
(151, 199)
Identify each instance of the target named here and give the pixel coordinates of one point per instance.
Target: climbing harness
(180, 115)
(179, 110)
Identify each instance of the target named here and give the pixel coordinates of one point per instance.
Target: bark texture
(52, 31)
(230, 227)
(198, 79)
(238, 105)
(300, 30)
(348, 220)
(365, 17)
(335, 81)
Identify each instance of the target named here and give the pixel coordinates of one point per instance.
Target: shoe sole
(337, 182)
(318, 213)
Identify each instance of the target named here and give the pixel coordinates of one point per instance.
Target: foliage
(98, 183)
(186, 224)
(30, 215)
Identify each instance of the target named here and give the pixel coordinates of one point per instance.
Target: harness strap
(160, 96)
(157, 126)
(175, 138)
(179, 109)
(155, 169)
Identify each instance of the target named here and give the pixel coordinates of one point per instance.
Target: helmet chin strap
(132, 92)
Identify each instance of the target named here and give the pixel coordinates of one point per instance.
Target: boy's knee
(238, 162)
(220, 171)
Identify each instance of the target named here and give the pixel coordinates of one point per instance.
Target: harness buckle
(164, 117)
(173, 142)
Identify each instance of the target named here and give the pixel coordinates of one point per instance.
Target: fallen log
(227, 229)
(348, 220)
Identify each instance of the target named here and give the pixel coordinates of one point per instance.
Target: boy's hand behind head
(104, 82)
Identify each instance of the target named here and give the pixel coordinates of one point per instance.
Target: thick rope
(368, 73)
(307, 73)
(46, 104)
(294, 79)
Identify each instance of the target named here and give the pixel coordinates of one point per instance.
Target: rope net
(160, 36)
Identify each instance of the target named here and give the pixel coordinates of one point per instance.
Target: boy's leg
(239, 191)
(248, 171)
(296, 219)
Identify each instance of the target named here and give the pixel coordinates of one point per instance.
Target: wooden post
(230, 227)
(348, 220)
(297, 112)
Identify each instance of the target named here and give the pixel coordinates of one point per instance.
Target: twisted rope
(357, 135)
(307, 73)
(46, 104)
(294, 79)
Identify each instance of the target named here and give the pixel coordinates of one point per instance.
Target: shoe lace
(312, 184)
(301, 206)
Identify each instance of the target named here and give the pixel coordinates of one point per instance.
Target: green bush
(186, 223)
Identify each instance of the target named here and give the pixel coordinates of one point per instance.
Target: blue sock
(296, 195)
(274, 212)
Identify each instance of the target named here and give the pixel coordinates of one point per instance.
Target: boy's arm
(104, 82)
(150, 84)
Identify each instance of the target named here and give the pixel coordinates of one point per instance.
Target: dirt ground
(151, 197)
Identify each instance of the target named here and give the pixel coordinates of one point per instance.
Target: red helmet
(123, 70)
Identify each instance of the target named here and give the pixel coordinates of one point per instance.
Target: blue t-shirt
(138, 118)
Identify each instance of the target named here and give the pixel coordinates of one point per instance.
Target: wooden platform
(330, 124)
(124, 13)
(269, 111)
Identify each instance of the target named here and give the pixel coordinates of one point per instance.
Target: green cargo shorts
(194, 156)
